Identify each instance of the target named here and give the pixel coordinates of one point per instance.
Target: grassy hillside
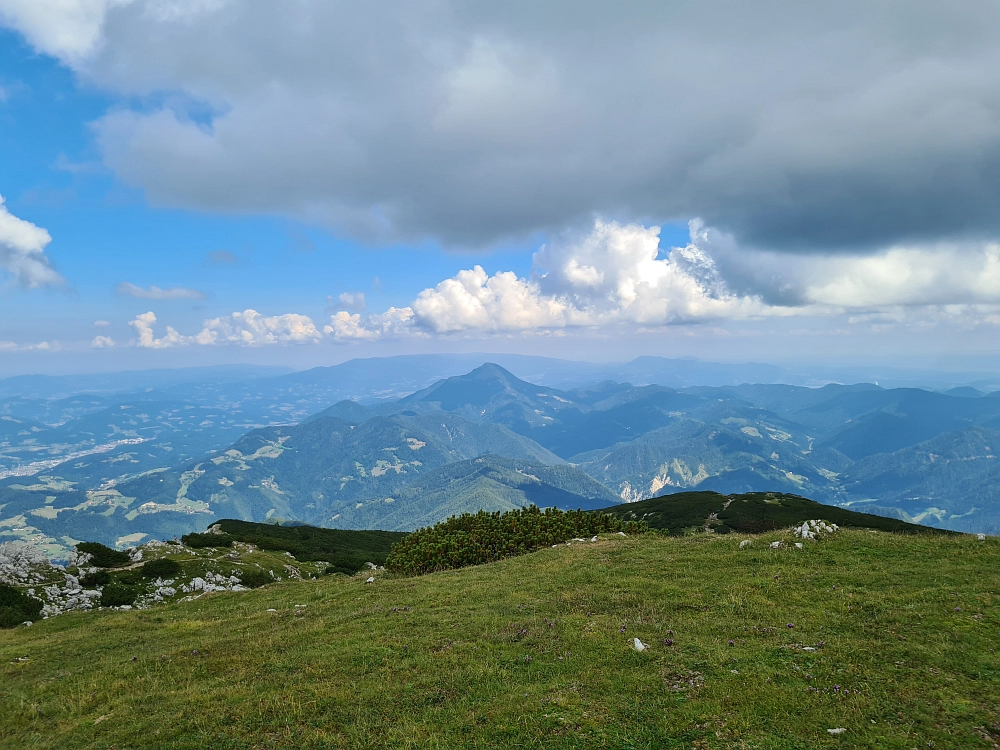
(749, 513)
(887, 636)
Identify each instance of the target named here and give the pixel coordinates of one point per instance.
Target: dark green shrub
(118, 595)
(483, 537)
(17, 607)
(128, 578)
(254, 578)
(346, 550)
(103, 557)
(207, 540)
(97, 578)
(750, 513)
(162, 568)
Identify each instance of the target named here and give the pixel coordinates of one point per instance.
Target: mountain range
(165, 461)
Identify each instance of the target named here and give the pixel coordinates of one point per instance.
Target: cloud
(250, 328)
(145, 338)
(473, 300)
(125, 289)
(811, 127)
(72, 29)
(42, 346)
(612, 274)
(68, 29)
(350, 301)
(617, 276)
(102, 342)
(393, 322)
(247, 328)
(102, 323)
(22, 252)
(904, 275)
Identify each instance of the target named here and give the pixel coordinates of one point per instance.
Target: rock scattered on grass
(813, 529)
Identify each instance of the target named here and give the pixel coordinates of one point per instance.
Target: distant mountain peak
(491, 370)
(481, 387)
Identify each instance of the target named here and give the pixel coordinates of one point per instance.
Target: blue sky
(104, 232)
(161, 144)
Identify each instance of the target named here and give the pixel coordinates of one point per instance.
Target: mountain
(164, 461)
(886, 421)
(729, 454)
(491, 393)
(324, 471)
(565, 422)
(952, 480)
(491, 483)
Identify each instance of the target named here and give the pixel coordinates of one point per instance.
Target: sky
(191, 182)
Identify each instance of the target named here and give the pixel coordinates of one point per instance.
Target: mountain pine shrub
(17, 607)
(95, 579)
(162, 568)
(118, 595)
(254, 578)
(474, 539)
(197, 541)
(102, 556)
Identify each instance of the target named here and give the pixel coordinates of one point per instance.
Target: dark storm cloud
(793, 126)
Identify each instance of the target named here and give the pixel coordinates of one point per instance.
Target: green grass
(529, 652)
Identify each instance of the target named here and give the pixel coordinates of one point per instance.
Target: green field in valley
(889, 637)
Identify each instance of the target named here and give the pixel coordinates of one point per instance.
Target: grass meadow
(889, 637)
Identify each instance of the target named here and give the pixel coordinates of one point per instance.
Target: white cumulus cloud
(396, 321)
(126, 289)
(102, 342)
(146, 339)
(22, 251)
(503, 302)
(613, 274)
(250, 328)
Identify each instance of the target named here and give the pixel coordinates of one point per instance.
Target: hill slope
(490, 483)
(747, 648)
(750, 513)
